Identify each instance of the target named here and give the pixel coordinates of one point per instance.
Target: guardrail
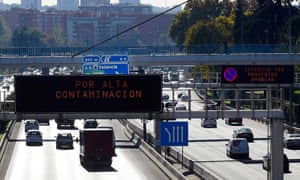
(5, 138)
(178, 156)
(151, 50)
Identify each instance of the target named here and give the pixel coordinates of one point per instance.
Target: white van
(237, 147)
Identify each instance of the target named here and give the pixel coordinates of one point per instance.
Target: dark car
(171, 104)
(90, 123)
(292, 141)
(64, 140)
(231, 121)
(243, 133)
(210, 107)
(165, 97)
(34, 137)
(31, 124)
(267, 163)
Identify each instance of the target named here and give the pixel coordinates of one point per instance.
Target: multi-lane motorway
(47, 162)
(207, 148)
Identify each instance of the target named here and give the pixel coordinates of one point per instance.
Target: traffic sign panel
(118, 59)
(91, 69)
(230, 74)
(91, 59)
(114, 68)
(257, 74)
(114, 59)
(174, 133)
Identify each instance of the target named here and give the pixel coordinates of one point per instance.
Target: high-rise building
(94, 2)
(31, 4)
(67, 4)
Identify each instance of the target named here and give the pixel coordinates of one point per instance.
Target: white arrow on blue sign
(114, 59)
(174, 133)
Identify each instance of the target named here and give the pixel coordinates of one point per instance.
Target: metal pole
(290, 29)
(156, 128)
(276, 149)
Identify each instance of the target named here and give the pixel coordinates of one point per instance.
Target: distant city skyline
(163, 3)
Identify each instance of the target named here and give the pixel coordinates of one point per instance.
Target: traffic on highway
(223, 148)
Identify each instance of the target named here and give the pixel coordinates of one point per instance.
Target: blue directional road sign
(91, 59)
(91, 69)
(114, 68)
(114, 59)
(174, 133)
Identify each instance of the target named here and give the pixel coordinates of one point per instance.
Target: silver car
(209, 122)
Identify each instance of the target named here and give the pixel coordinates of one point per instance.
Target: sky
(159, 3)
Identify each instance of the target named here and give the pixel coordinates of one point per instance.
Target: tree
(27, 37)
(179, 26)
(209, 32)
(5, 33)
(194, 11)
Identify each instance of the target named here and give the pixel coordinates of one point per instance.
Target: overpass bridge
(245, 54)
(155, 56)
(160, 60)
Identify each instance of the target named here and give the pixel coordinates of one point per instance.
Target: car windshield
(245, 130)
(294, 135)
(34, 133)
(65, 135)
(211, 119)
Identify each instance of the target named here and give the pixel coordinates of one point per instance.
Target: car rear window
(236, 142)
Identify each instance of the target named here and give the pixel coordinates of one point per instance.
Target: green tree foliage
(179, 26)
(194, 11)
(209, 32)
(5, 33)
(56, 39)
(27, 37)
(255, 22)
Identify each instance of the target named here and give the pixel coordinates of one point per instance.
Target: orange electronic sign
(257, 74)
(97, 93)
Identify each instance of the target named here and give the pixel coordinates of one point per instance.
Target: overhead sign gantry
(96, 93)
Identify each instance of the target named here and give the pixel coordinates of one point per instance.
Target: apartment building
(88, 26)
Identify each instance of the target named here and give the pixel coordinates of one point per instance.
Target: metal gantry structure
(249, 102)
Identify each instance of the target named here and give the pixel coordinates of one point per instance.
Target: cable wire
(128, 29)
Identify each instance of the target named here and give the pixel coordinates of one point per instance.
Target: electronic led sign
(97, 93)
(257, 74)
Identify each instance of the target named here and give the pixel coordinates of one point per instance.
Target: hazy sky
(159, 3)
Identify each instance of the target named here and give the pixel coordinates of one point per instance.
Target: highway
(48, 163)
(207, 147)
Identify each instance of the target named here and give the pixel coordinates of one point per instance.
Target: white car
(180, 107)
(237, 147)
(34, 137)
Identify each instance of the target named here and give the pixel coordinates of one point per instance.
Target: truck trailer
(97, 146)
